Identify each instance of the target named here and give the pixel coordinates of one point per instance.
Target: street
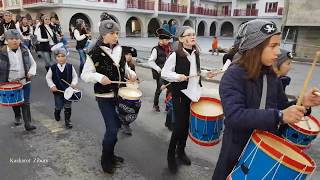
(53, 152)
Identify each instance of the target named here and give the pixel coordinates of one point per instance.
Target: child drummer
(185, 61)
(22, 67)
(283, 66)
(56, 74)
(251, 94)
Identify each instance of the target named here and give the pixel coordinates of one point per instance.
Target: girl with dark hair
(247, 99)
(26, 32)
(81, 35)
(184, 62)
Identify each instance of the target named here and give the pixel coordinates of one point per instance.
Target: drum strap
(264, 93)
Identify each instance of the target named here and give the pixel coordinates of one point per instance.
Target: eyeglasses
(190, 34)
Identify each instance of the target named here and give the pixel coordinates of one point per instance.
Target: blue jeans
(112, 122)
(82, 55)
(26, 93)
(60, 102)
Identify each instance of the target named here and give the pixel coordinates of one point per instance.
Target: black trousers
(181, 110)
(158, 91)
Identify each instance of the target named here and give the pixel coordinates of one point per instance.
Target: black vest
(160, 61)
(5, 64)
(25, 33)
(81, 44)
(45, 46)
(57, 75)
(105, 65)
(183, 67)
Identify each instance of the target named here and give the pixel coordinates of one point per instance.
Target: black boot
(57, 114)
(171, 156)
(183, 157)
(117, 159)
(106, 162)
(26, 114)
(67, 115)
(17, 115)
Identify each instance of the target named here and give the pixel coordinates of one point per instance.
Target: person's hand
(211, 74)
(163, 87)
(54, 89)
(105, 80)
(293, 114)
(182, 77)
(29, 76)
(132, 78)
(311, 98)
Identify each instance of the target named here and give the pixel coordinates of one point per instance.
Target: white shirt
(50, 34)
(89, 73)
(152, 60)
(168, 73)
(76, 34)
(16, 70)
(61, 68)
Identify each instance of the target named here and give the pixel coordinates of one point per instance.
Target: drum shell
(204, 130)
(11, 96)
(298, 136)
(264, 160)
(128, 110)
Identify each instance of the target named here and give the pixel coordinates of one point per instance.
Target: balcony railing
(245, 12)
(172, 8)
(224, 13)
(203, 11)
(25, 2)
(140, 4)
(110, 1)
(280, 11)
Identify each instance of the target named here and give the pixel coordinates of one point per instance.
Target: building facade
(142, 17)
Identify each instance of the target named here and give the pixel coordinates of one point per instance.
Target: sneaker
(156, 108)
(127, 130)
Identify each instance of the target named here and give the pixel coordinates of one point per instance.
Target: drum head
(10, 85)
(57, 46)
(285, 149)
(313, 123)
(207, 107)
(130, 93)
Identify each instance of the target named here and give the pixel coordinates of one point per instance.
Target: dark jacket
(240, 99)
(5, 65)
(57, 75)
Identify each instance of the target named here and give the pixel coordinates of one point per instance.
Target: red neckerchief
(167, 49)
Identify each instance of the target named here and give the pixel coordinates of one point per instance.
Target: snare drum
(71, 94)
(206, 121)
(300, 134)
(129, 104)
(11, 94)
(267, 156)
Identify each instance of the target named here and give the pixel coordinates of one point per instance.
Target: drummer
(105, 63)
(283, 66)
(251, 94)
(21, 67)
(58, 71)
(185, 61)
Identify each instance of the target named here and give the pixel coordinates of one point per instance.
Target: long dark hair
(251, 60)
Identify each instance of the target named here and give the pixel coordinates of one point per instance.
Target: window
(271, 7)
(251, 6)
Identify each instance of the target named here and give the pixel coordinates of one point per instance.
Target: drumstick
(306, 82)
(60, 91)
(121, 82)
(65, 82)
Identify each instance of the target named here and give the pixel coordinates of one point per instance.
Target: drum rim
(204, 143)
(13, 104)
(15, 88)
(275, 154)
(209, 118)
(306, 131)
(130, 98)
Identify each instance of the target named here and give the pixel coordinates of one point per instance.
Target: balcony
(140, 4)
(203, 11)
(172, 8)
(280, 11)
(224, 13)
(245, 12)
(26, 2)
(109, 1)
